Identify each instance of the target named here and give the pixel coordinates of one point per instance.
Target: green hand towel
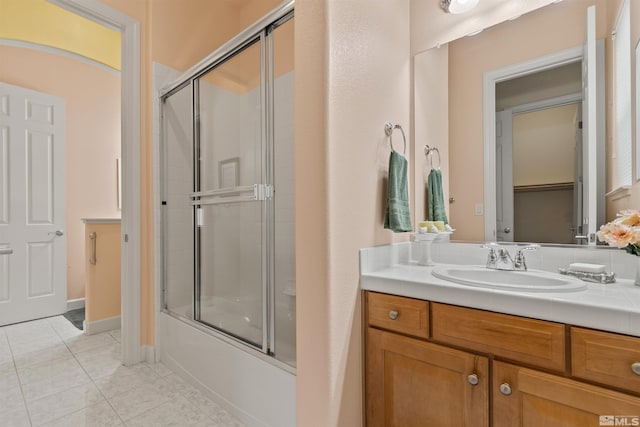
(397, 216)
(436, 198)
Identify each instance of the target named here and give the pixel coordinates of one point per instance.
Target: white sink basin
(523, 281)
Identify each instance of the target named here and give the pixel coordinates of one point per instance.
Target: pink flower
(630, 217)
(618, 234)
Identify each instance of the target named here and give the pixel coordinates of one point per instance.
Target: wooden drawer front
(530, 341)
(605, 357)
(526, 397)
(412, 314)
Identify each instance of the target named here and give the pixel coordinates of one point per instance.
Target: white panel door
(504, 176)
(33, 277)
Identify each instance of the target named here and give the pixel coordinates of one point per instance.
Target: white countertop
(101, 220)
(612, 307)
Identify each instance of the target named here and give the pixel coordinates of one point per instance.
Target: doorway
(130, 99)
(539, 171)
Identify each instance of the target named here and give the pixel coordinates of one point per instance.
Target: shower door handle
(248, 193)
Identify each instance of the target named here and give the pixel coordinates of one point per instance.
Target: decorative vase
(637, 279)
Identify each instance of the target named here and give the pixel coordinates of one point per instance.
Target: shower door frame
(266, 208)
(259, 32)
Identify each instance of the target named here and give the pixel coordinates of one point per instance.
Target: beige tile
(16, 418)
(64, 328)
(32, 343)
(116, 334)
(7, 368)
(51, 377)
(83, 342)
(178, 412)
(63, 403)
(48, 369)
(102, 361)
(53, 352)
(98, 415)
(8, 381)
(124, 379)
(12, 401)
(32, 328)
(140, 399)
(214, 411)
(160, 368)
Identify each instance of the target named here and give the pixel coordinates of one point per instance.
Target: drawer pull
(473, 379)
(505, 389)
(393, 315)
(635, 367)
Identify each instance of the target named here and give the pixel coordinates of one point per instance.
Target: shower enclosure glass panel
(231, 232)
(228, 211)
(177, 182)
(281, 77)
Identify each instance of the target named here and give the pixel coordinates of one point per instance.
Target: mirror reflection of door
(539, 156)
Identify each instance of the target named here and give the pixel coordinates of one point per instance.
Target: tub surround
(612, 307)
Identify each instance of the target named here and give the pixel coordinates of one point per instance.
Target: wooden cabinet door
(413, 383)
(525, 397)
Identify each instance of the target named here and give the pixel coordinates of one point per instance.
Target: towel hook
(428, 151)
(388, 130)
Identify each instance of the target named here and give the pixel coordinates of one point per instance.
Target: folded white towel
(587, 268)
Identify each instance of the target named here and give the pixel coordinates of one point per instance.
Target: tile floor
(51, 374)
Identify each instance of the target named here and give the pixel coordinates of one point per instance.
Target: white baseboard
(148, 353)
(74, 304)
(102, 325)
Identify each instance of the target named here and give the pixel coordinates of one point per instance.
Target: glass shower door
(232, 197)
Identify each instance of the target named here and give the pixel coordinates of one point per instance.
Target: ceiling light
(458, 6)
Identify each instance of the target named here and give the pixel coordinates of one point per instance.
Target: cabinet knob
(505, 389)
(635, 367)
(393, 315)
(473, 379)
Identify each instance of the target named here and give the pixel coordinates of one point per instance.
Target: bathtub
(241, 318)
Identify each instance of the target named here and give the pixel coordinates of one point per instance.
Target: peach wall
(557, 27)
(181, 36)
(353, 70)
(103, 277)
(93, 138)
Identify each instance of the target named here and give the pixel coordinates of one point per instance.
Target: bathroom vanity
(444, 354)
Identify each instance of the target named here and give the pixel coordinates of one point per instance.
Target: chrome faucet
(502, 259)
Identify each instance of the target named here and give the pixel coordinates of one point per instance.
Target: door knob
(57, 233)
(507, 230)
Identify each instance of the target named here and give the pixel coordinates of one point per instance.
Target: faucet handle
(492, 257)
(519, 262)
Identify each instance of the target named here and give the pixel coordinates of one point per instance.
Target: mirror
(549, 208)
